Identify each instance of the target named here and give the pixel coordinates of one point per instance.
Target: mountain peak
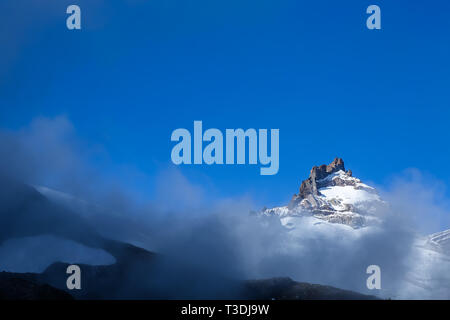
(309, 186)
(331, 193)
(320, 172)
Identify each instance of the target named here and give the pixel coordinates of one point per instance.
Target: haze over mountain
(133, 273)
(334, 220)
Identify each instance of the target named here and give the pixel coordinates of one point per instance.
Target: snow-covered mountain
(333, 207)
(332, 194)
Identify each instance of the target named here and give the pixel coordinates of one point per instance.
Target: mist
(217, 235)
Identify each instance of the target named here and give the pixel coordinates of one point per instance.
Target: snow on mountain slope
(440, 241)
(428, 276)
(309, 227)
(347, 195)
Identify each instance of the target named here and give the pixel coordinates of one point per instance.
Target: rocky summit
(331, 193)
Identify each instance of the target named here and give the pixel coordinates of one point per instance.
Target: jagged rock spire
(309, 185)
(322, 171)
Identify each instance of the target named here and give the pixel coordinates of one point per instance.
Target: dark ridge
(26, 287)
(288, 289)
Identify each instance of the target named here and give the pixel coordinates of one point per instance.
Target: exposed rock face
(333, 194)
(309, 186)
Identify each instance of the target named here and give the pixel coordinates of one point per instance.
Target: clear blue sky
(140, 69)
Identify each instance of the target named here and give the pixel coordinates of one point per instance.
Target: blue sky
(140, 69)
